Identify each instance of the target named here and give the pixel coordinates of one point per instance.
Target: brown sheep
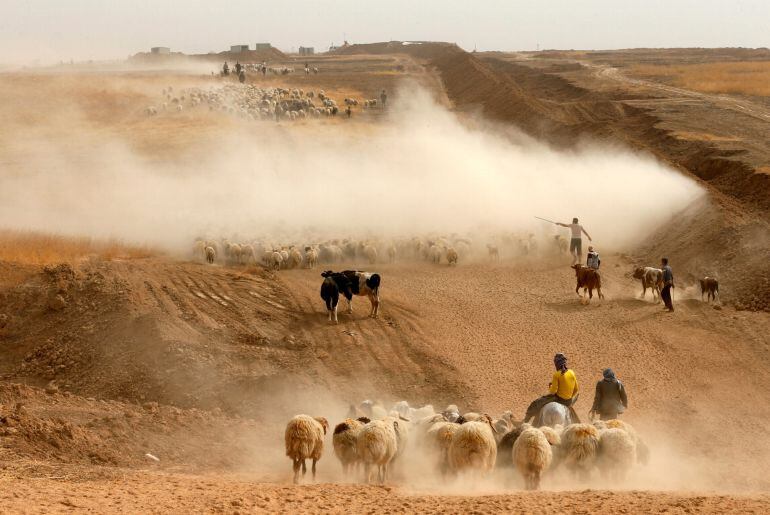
(304, 437)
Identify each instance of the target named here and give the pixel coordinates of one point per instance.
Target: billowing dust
(423, 170)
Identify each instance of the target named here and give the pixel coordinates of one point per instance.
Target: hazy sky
(102, 29)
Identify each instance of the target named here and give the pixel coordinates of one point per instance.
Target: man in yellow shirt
(564, 388)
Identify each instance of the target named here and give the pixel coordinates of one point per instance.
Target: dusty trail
(499, 326)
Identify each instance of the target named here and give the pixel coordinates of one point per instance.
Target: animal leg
(350, 306)
(304, 468)
(335, 314)
(367, 473)
(295, 467)
(314, 462)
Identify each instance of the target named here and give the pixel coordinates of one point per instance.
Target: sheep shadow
(574, 305)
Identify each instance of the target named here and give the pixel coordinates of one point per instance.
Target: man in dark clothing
(383, 98)
(610, 398)
(225, 69)
(668, 283)
(238, 68)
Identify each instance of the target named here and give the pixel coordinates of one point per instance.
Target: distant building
(306, 50)
(160, 50)
(262, 46)
(239, 48)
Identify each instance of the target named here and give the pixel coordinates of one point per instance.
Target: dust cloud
(423, 170)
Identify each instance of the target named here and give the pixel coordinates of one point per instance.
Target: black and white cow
(349, 283)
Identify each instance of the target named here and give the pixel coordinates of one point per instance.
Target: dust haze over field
(423, 170)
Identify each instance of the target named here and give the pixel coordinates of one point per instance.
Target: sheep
(551, 434)
(304, 437)
(344, 442)
(233, 252)
(151, 111)
(311, 257)
(532, 455)
(473, 447)
(451, 256)
(391, 253)
(494, 252)
(434, 254)
(211, 254)
(295, 258)
(505, 445)
(370, 253)
(273, 260)
(642, 451)
(616, 453)
(377, 444)
(579, 446)
(247, 254)
(439, 439)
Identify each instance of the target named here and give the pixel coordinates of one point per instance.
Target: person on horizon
(668, 283)
(242, 76)
(383, 98)
(610, 399)
(238, 68)
(563, 389)
(576, 239)
(348, 111)
(225, 69)
(592, 258)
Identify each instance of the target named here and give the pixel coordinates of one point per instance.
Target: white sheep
(304, 438)
(295, 258)
(377, 444)
(473, 447)
(532, 455)
(311, 257)
(579, 447)
(273, 260)
(439, 439)
(616, 454)
(370, 253)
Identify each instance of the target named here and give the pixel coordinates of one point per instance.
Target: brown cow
(588, 279)
(651, 278)
(711, 286)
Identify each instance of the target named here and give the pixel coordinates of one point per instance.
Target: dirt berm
(731, 229)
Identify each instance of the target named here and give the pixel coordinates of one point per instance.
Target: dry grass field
(33, 248)
(740, 78)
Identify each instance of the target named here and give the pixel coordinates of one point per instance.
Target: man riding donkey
(564, 390)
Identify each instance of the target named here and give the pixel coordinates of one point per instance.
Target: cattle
(651, 278)
(330, 293)
(353, 282)
(588, 279)
(710, 286)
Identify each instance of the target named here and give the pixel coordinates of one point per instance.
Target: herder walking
(576, 239)
(610, 399)
(668, 283)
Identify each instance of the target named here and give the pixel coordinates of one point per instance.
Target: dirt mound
(196, 336)
(61, 427)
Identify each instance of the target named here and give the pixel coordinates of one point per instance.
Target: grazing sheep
(451, 256)
(710, 286)
(579, 446)
(473, 447)
(532, 455)
(211, 254)
(304, 437)
(344, 442)
(377, 444)
(616, 454)
(274, 260)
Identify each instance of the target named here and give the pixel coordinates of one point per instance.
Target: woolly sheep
(311, 257)
(304, 437)
(642, 451)
(505, 445)
(551, 435)
(451, 256)
(211, 254)
(377, 444)
(370, 253)
(295, 258)
(579, 446)
(532, 455)
(344, 442)
(439, 439)
(473, 447)
(616, 454)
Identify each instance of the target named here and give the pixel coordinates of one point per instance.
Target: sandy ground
(201, 366)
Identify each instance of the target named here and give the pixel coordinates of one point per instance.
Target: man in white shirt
(576, 239)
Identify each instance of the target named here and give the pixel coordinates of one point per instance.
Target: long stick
(545, 220)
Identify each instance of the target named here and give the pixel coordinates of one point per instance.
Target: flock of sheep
(250, 101)
(471, 443)
(449, 250)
